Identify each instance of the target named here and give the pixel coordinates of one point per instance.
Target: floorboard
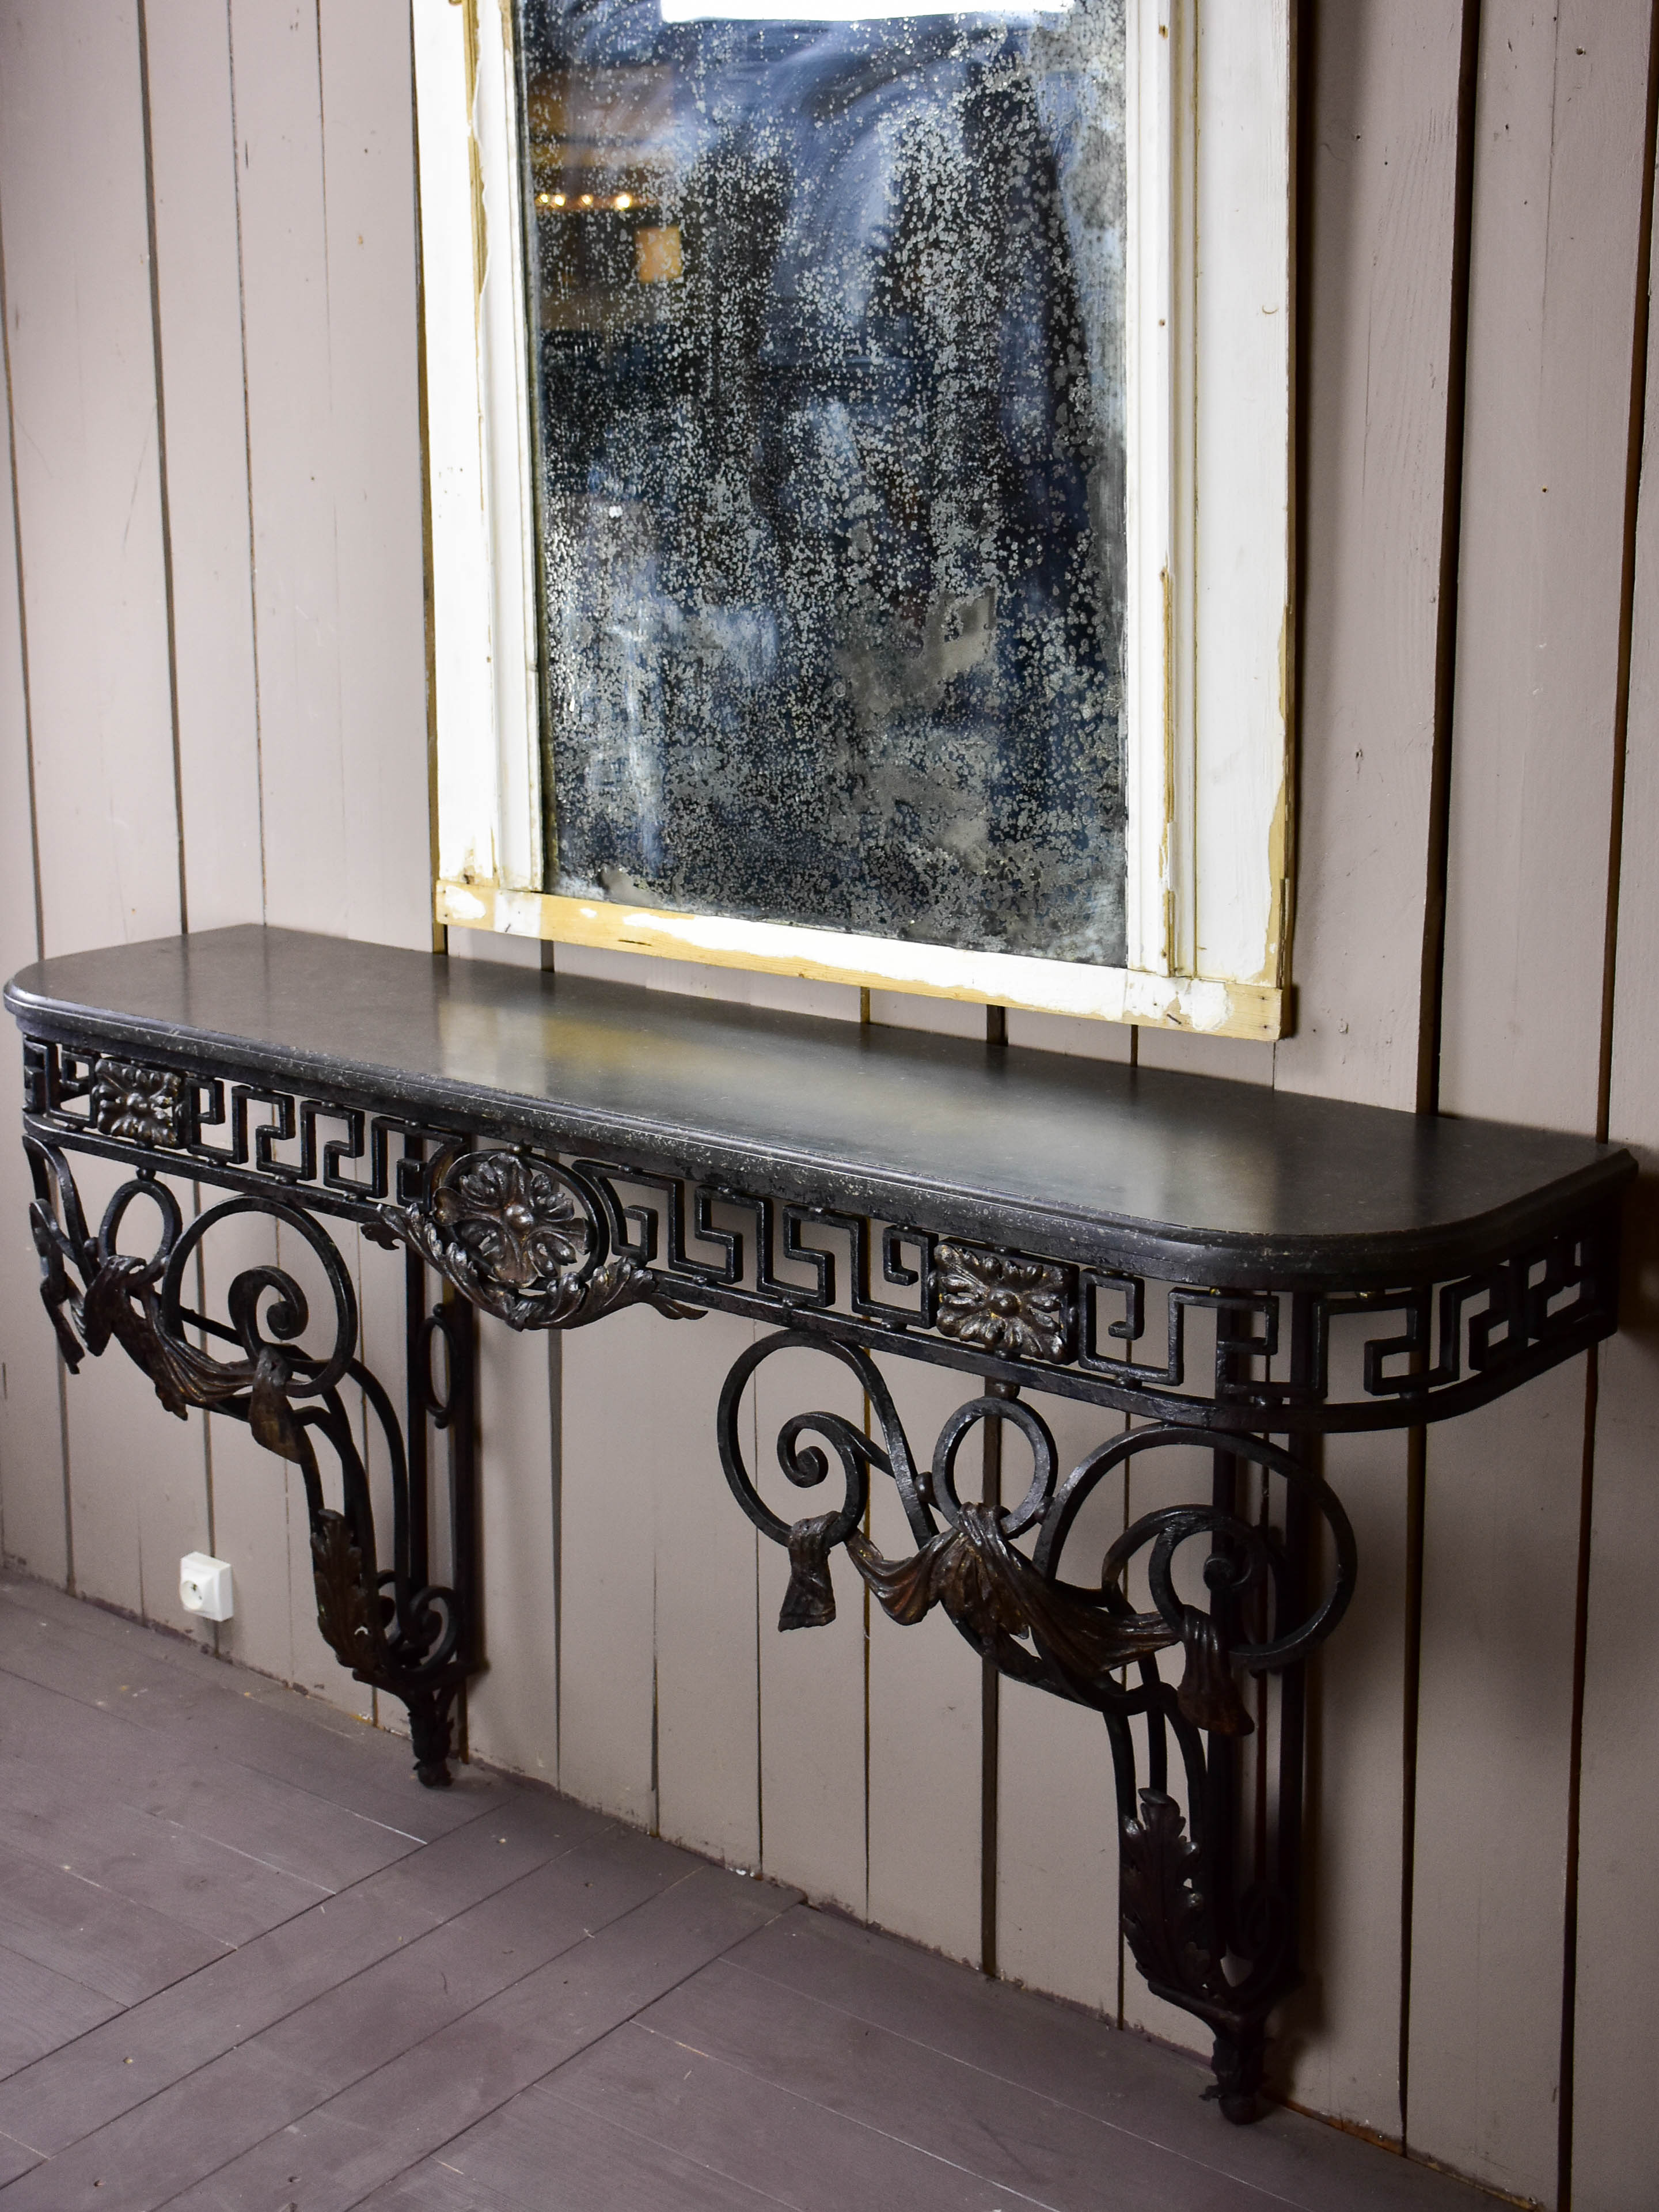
(288, 1827)
(224, 1893)
(812, 2130)
(167, 1684)
(432, 2187)
(122, 1950)
(39, 2010)
(247, 1963)
(149, 2048)
(601, 2168)
(471, 2067)
(762, 2045)
(1004, 2036)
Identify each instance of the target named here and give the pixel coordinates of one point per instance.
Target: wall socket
(205, 1587)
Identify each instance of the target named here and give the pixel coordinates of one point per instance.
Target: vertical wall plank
(924, 1735)
(618, 1425)
(1615, 2119)
(1491, 1786)
(811, 1680)
(83, 398)
(257, 1522)
(257, 1518)
(324, 200)
(282, 480)
(279, 147)
(1378, 265)
(199, 345)
(258, 1498)
(513, 1708)
(198, 293)
(34, 1523)
(708, 1684)
(1057, 1905)
(376, 1281)
(1340, 2050)
(1615, 2136)
(1558, 194)
(1558, 188)
(324, 115)
(380, 840)
(74, 192)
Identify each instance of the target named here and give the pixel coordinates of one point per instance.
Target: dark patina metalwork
(394, 1627)
(524, 1239)
(130, 1100)
(549, 1208)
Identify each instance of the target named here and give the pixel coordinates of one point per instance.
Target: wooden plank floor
(248, 1965)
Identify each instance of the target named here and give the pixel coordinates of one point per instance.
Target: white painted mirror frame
(1210, 354)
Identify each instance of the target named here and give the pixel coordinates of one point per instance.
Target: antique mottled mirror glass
(859, 511)
(829, 410)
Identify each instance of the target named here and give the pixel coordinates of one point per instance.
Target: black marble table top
(1188, 1177)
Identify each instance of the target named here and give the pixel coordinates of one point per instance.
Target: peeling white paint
(1055, 986)
(488, 797)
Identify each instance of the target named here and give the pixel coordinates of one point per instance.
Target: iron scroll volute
(1014, 1608)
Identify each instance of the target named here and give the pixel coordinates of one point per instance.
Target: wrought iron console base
(1224, 1267)
(397, 1630)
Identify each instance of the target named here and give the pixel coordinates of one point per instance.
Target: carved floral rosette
(524, 1239)
(146, 1104)
(1001, 1302)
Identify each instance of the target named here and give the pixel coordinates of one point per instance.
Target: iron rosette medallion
(524, 1239)
(1003, 1303)
(147, 1104)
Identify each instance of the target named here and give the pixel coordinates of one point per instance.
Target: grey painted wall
(212, 708)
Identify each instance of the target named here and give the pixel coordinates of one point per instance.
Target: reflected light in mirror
(841, 11)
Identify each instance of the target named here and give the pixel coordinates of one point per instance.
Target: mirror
(828, 407)
(861, 515)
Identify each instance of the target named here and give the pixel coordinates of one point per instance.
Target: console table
(1226, 1265)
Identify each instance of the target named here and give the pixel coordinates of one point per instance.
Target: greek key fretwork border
(1405, 1355)
(1238, 1345)
(62, 1089)
(775, 1239)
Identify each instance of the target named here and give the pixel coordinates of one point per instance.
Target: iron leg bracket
(1210, 1886)
(398, 1631)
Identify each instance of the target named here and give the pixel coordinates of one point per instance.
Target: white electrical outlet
(204, 1586)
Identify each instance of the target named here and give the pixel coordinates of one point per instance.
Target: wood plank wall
(212, 708)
